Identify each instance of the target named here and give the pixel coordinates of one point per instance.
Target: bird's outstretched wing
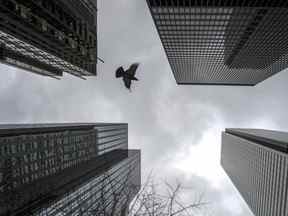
(132, 69)
(119, 72)
(127, 82)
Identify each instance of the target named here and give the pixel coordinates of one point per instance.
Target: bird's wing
(127, 82)
(132, 69)
(119, 72)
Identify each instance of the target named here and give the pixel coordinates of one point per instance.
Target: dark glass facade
(96, 196)
(44, 163)
(49, 37)
(222, 42)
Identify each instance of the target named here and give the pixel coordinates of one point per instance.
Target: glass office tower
(48, 167)
(257, 163)
(97, 195)
(222, 42)
(49, 37)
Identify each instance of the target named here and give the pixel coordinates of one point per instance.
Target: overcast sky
(178, 128)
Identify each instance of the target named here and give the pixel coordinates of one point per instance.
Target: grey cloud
(161, 115)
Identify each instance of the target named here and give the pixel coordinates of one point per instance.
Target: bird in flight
(127, 75)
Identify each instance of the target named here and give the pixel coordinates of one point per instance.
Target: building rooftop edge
(271, 138)
(10, 129)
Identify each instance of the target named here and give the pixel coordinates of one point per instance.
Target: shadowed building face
(222, 42)
(48, 167)
(49, 37)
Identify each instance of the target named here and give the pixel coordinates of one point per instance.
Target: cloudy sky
(178, 128)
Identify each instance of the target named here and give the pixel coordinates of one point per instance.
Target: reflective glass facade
(97, 195)
(222, 42)
(257, 163)
(40, 163)
(49, 37)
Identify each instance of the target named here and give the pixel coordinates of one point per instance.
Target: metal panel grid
(222, 42)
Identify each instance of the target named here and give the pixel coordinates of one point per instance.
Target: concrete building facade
(257, 163)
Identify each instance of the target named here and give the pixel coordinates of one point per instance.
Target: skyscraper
(64, 168)
(222, 42)
(257, 163)
(49, 37)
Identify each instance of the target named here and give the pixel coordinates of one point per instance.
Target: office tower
(64, 168)
(257, 163)
(121, 180)
(49, 37)
(222, 42)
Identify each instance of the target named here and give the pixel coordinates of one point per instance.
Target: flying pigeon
(127, 75)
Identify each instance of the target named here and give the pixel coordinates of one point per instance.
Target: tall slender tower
(222, 42)
(49, 37)
(52, 169)
(257, 163)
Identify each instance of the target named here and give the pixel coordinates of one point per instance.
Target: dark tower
(49, 37)
(50, 167)
(222, 42)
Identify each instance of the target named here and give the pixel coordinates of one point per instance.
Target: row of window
(192, 16)
(37, 156)
(74, 42)
(205, 10)
(90, 196)
(33, 52)
(103, 133)
(76, 25)
(173, 29)
(192, 22)
(260, 174)
(21, 145)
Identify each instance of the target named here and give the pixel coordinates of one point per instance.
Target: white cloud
(202, 159)
(232, 204)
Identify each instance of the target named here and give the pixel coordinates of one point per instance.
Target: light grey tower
(257, 163)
